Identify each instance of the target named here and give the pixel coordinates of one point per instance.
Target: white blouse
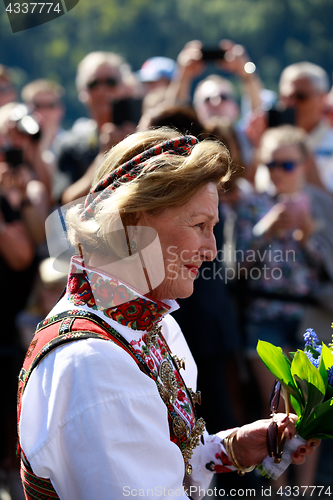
(96, 426)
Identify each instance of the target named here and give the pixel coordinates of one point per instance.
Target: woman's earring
(133, 247)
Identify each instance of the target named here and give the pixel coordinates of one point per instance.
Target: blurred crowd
(273, 275)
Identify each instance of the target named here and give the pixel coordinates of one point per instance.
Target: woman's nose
(209, 248)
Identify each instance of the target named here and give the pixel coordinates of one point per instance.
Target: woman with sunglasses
(280, 247)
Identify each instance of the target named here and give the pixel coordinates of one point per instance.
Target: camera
(25, 123)
(279, 115)
(14, 157)
(212, 53)
(126, 110)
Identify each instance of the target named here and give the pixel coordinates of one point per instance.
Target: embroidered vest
(153, 357)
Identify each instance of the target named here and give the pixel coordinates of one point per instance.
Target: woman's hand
(235, 58)
(189, 60)
(277, 220)
(250, 446)
(298, 457)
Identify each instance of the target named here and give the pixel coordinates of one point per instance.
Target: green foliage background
(276, 33)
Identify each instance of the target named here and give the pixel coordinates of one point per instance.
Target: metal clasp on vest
(196, 396)
(180, 363)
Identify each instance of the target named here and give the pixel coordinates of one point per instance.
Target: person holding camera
(21, 231)
(304, 86)
(102, 79)
(20, 135)
(214, 97)
(303, 100)
(229, 57)
(44, 100)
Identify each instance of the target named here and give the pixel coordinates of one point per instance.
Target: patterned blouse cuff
(216, 457)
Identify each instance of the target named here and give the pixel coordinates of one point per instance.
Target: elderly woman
(105, 405)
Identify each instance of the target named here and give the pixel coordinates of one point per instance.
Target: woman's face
(107, 86)
(287, 181)
(187, 239)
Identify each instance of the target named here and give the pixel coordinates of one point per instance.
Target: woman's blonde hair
(174, 182)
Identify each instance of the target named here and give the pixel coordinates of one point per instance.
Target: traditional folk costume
(104, 409)
(90, 420)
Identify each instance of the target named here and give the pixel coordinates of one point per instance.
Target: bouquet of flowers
(307, 378)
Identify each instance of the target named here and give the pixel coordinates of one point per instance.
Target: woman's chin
(179, 292)
(186, 291)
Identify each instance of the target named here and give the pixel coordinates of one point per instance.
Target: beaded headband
(132, 168)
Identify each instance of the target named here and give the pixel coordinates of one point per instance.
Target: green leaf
(311, 385)
(308, 376)
(295, 404)
(327, 356)
(320, 422)
(278, 363)
(323, 372)
(329, 392)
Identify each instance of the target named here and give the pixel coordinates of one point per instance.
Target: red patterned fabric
(88, 287)
(131, 169)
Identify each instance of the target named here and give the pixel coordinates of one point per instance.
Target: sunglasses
(49, 105)
(288, 166)
(274, 447)
(109, 82)
(223, 97)
(301, 96)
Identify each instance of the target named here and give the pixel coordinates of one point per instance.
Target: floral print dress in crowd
(275, 266)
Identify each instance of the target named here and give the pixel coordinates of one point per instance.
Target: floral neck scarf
(98, 291)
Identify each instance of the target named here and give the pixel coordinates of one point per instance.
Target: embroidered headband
(132, 168)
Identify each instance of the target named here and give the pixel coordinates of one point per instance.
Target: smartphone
(212, 54)
(277, 116)
(14, 157)
(126, 110)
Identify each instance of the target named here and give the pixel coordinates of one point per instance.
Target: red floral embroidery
(73, 284)
(138, 314)
(181, 395)
(122, 295)
(225, 461)
(217, 467)
(103, 293)
(115, 300)
(160, 343)
(79, 290)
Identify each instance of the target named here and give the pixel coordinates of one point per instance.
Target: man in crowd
(102, 78)
(156, 73)
(44, 101)
(305, 86)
